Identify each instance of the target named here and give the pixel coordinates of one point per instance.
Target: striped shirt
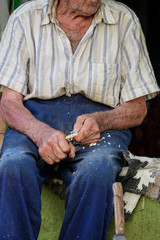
(110, 65)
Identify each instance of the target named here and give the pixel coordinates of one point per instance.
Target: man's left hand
(89, 131)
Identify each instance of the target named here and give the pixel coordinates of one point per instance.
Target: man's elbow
(6, 107)
(142, 114)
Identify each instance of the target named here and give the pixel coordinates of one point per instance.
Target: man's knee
(16, 162)
(101, 168)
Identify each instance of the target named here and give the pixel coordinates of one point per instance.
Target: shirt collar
(50, 14)
(104, 13)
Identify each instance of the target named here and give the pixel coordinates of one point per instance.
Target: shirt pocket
(104, 83)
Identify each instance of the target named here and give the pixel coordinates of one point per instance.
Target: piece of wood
(1, 139)
(118, 208)
(2, 125)
(144, 221)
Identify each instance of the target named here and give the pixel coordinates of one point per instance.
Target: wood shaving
(93, 144)
(71, 136)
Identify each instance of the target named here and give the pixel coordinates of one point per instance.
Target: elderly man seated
(69, 65)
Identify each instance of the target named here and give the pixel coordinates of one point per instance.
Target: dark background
(149, 14)
(146, 138)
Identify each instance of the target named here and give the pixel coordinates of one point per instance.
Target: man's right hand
(53, 147)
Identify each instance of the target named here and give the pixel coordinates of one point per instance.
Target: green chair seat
(143, 225)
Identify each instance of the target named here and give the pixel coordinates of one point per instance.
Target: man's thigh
(18, 150)
(100, 162)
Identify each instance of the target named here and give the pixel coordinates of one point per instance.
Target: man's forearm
(19, 118)
(128, 115)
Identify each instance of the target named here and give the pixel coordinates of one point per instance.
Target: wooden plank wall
(2, 130)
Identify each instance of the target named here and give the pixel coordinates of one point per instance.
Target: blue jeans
(88, 177)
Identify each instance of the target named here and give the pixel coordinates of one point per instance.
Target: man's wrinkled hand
(54, 147)
(89, 131)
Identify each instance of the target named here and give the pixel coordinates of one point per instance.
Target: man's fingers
(49, 157)
(50, 160)
(87, 142)
(89, 132)
(92, 138)
(83, 133)
(59, 153)
(54, 147)
(79, 123)
(72, 150)
(64, 145)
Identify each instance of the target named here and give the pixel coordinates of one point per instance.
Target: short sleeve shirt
(110, 65)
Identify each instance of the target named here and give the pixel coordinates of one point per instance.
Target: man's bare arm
(51, 143)
(128, 115)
